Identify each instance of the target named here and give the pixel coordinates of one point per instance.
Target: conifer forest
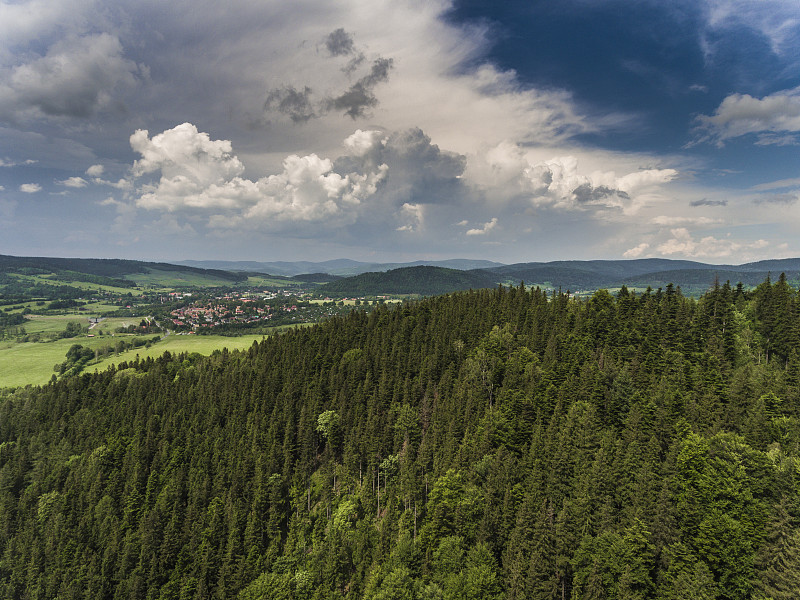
(498, 444)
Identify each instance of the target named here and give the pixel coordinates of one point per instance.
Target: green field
(53, 323)
(32, 363)
(259, 281)
(202, 344)
(167, 280)
(83, 285)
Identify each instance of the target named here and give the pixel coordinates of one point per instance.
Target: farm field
(85, 285)
(169, 280)
(32, 363)
(53, 323)
(202, 344)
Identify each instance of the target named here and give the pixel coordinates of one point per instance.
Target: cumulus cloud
(506, 172)
(413, 215)
(418, 170)
(684, 244)
(95, 171)
(185, 155)
(636, 251)
(75, 78)
(201, 174)
(742, 114)
(487, 227)
(30, 188)
(73, 182)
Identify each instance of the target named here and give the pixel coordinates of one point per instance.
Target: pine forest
(498, 444)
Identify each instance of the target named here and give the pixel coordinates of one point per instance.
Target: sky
(400, 130)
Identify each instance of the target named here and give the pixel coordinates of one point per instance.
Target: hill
(423, 280)
(105, 267)
(594, 274)
(695, 278)
(69, 277)
(341, 267)
(500, 444)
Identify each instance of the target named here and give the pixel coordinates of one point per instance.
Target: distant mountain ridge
(345, 277)
(577, 276)
(342, 266)
(107, 267)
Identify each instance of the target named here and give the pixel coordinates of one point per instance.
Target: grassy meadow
(169, 280)
(32, 362)
(84, 285)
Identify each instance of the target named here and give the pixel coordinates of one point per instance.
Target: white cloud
(505, 172)
(671, 221)
(682, 243)
(95, 171)
(199, 173)
(413, 215)
(768, 139)
(637, 251)
(775, 185)
(742, 114)
(111, 201)
(73, 182)
(777, 20)
(487, 227)
(10, 163)
(75, 78)
(30, 188)
(183, 152)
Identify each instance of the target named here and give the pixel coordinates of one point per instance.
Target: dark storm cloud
(340, 43)
(76, 78)
(707, 202)
(359, 97)
(419, 172)
(588, 194)
(354, 101)
(295, 104)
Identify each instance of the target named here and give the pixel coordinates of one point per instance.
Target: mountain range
(344, 277)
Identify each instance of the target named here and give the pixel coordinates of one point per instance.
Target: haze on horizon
(398, 131)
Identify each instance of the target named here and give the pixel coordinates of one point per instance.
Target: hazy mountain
(341, 266)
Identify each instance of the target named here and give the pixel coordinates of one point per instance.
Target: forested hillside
(427, 281)
(496, 444)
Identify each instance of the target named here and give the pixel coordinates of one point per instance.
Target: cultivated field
(32, 363)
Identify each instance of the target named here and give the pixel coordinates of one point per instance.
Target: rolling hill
(342, 267)
(423, 280)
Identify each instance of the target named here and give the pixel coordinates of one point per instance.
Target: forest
(498, 444)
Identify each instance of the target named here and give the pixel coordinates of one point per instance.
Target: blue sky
(513, 131)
